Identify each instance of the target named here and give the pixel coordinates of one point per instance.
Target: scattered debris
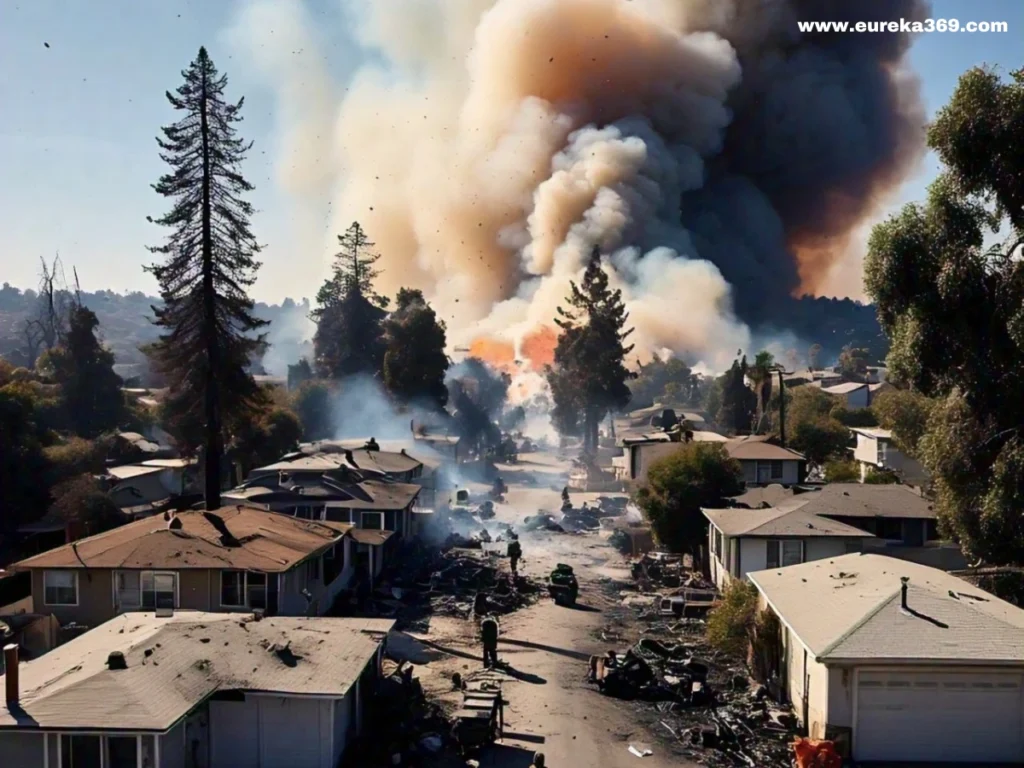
(639, 751)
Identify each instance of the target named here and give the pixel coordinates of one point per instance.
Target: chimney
(11, 674)
(904, 580)
(116, 661)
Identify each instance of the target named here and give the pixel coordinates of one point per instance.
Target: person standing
(515, 553)
(489, 635)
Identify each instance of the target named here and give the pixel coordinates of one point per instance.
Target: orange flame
(539, 347)
(499, 354)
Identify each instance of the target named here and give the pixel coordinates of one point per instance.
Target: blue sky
(78, 120)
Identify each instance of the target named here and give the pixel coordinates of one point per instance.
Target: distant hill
(125, 325)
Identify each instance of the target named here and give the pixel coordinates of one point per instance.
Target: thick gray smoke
(720, 157)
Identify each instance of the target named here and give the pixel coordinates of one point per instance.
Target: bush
(731, 622)
(854, 417)
(881, 477)
(840, 471)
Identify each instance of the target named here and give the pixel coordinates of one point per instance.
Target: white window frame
(119, 606)
(780, 545)
(246, 602)
(74, 575)
(154, 574)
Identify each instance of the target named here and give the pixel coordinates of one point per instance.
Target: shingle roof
(790, 520)
(174, 663)
(263, 541)
(867, 500)
(372, 495)
(773, 495)
(129, 471)
(849, 608)
(370, 536)
(756, 447)
(845, 388)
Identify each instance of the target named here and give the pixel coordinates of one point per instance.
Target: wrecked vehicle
(485, 511)
(542, 522)
(563, 586)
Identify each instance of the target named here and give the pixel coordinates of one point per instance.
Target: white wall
(271, 732)
(343, 723)
(803, 671)
(753, 555)
(840, 697)
(866, 450)
(823, 547)
(234, 726)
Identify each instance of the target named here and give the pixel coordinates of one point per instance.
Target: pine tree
(349, 313)
(209, 329)
(738, 401)
(591, 352)
(415, 362)
(84, 369)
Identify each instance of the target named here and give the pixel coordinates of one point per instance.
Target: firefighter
(515, 552)
(489, 636)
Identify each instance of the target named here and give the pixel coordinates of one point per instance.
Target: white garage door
(933, 717)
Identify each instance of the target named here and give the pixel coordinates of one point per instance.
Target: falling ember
(538, 347)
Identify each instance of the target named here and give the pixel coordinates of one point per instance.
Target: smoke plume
(719, 157)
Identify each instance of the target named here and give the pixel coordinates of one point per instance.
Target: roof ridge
(859, 624)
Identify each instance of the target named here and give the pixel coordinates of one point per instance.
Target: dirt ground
(552, 708)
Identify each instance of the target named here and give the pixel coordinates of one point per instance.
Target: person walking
(515, 553)
(489, 635)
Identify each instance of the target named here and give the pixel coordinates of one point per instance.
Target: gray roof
(757, 447)
(867, 500)
(845, 388)
(790, 520)
(174, 663)
(848, 609)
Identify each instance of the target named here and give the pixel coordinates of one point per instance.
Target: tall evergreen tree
(739, 402)
(415, 362)
(349, 314)
(591, 352)
(84, 369)
(209, 329)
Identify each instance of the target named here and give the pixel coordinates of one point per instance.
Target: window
(232, 589)
(313, 569)
(372, 520)
(80, 751)
(127, 591)
(159, 590)
(776, 470)
(60, 587)
(122, 751)
(243, 589)
(785, 552)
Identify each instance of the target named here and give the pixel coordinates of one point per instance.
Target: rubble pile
(701, 699)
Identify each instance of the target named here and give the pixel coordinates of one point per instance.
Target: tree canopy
(588, 378)
(738, 401)
(952, 309)
(415, 362)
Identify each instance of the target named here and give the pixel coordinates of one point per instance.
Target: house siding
(172, 747)
(95, 598)
(824, 547)
(753, 554)
(24, 750)
(790, 473)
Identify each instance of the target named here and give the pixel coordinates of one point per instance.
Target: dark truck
(562, 585)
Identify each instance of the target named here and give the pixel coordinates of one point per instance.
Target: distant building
(875, 450)
(765, 463)
(853, 394)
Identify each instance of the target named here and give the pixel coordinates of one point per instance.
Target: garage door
(936, 717)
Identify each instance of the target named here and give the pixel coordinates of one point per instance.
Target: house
(900, 521)
(639, 452)
(897, 661)
(234, 559)
(324, 456)
(147, 487)
(818, 377)
(745, 540)
(764, 462)
(195, 690)
(852, 394)
(875, 450)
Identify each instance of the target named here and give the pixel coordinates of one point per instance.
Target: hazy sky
(78, 120)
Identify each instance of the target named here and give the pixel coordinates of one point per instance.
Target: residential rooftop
(237, 537)
(791, 520)
(129, 471)
(757, 447)
(373, 495)
(845, 388)
(849, 609)
(876, 432)
(868, 500)
(175, 663)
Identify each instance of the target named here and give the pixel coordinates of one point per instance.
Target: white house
(194, 690)
(897, 661)
(853, 394)
(745, 540)
(875, 450)
(765, 463)
(640, 452)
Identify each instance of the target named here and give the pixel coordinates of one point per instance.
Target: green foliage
(84, 369)
(680, 484)
(24, 495)
(739, 402)
(588, 378)
(666, 381)
(811, 429)
(854, 417)
(842, 471)
(312, 403)
(76, 456)
(267, 438)
(876, 476)
(80, 499)
(906, 414)
(853, 363)
(760, 375)
(415, 362)
(209, 332)
(952, 310)
(731, 622)
(349, 336)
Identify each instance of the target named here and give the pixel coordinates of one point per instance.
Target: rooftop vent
(904, 580)
(116, 661)
(174, 524)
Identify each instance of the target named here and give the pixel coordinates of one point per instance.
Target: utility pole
(782, 405)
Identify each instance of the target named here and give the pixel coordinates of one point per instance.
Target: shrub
(731, 622)
(840, 471)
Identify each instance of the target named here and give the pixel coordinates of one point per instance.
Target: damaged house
(235, 559)
(898, 662)
(194, 690)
